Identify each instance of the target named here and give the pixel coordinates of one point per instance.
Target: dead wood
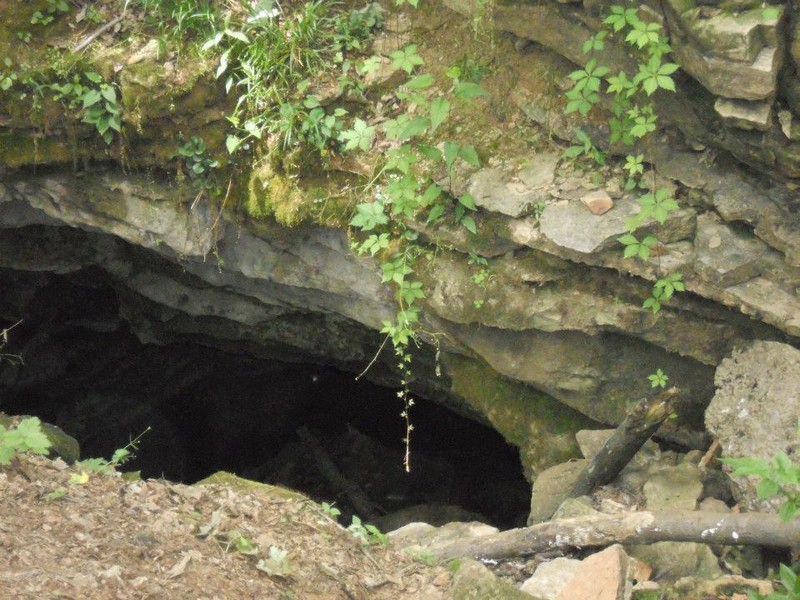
(328, 469)
(643, 527)
(639, 425)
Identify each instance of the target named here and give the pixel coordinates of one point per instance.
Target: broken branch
(643, 527)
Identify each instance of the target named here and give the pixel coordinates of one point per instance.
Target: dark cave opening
(210, 409)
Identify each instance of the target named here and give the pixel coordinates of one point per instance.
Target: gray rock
(677, 488)
(672, 560)
(789, 125)
(756, 409)
(757, 81)
(724, 256)
(745, 114)
(570, 226)
(473, 581)
(713, 505)
(423, 534)
(551, 577)
(551, 488)
(735, 36)
(433, 514)
(763, 297)
(575, 507)
(539, 172)
(494, 191)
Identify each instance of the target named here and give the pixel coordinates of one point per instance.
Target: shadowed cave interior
(208, 410)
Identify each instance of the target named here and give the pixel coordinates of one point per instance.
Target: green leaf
(109, 93)
(469, 224)
(420, 82)
(430, 152)
(466, 90)
(450, 154)
(91, 98)
(7, 452)
(360, 136)
(440, 109)
(788, 578)
(665, 82)
(232, 143)
(431, 194)
(467, 201)
(470, 156)
(788, 511)
(401, 159)
(436, 213)
(210, 43)
(102, 124)
(237, 35)
(369, 216)
(414, 127)
(406, 59)
(31, 437)
(767, 488)
(747, 466)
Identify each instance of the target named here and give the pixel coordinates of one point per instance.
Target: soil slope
(65, 536)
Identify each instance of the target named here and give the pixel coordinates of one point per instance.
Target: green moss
(20, 148)
(542, 428)
(246, 485)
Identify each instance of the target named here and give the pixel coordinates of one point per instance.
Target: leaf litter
(113, 538)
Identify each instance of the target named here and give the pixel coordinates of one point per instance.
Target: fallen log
(639, 425)
(643, 527)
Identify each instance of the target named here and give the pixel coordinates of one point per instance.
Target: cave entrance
(209, 409)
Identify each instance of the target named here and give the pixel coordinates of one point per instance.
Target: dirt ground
(105, 537)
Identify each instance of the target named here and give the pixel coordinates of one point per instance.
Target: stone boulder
(756, 409)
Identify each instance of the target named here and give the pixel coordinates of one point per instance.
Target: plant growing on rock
(634, 118)
(779, 478)
(95, 97)
(51, 11)
(405, 190)
(27, 436)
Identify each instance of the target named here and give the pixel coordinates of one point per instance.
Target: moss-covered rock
(246, 485)
(62, 444)
(540, 426)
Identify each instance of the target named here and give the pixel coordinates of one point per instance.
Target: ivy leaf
(360, 136)
(406, 59)
(369, 216)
